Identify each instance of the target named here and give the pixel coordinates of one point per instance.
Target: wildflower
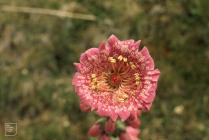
(116, 79)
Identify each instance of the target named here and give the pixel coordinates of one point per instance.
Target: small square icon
(10, 129)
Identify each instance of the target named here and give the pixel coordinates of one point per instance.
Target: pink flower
(116, 79)
(95, 130)
(129, 134)
(110, 126)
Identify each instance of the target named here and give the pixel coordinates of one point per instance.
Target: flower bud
(110, 126)
(84, 107)
(130, 134)
(134, 121)
(95, 130)
(104, 137)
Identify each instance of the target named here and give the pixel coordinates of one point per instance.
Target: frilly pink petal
(124, 115)
(92, 54)
(147, 59)
(147, 106)
(101, 110)
(83, 58)
(92, 51)
(145, 52)
(112, 40)
(135, 45)
(75, 79)
(113, 115)
(78, 66)
(150, 97)
(127, 42)
(149, 63)
(104, 49)
(155, 74)
(102, 46)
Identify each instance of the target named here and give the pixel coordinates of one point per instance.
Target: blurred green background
(36, 65)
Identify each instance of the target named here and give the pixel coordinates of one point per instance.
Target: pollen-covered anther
(93, 75)
(93, 86)
(132, 65)
(94, 81)
(111, 59)
(137, 78)
(120, 57)
(137, 82)
(122, 97)
(125, 59)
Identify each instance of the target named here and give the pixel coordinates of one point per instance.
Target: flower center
(115, 80)
(121, 79)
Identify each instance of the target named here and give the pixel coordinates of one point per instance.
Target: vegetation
(37, 54)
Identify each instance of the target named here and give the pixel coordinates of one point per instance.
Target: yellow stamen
(94, 83)
(94, 80)
(132, 65)
(136, 74)
(121, 100)
(120, 57)
(122, 97)
(93, 75)
(112, 60)
(94, 87)
(137, 82)
(137, 78)
(125, 59)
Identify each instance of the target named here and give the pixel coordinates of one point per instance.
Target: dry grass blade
(43, 11)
